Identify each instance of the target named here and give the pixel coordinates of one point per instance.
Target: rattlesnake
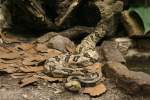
(73, 65)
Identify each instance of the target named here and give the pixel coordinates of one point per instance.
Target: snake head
(73, 85)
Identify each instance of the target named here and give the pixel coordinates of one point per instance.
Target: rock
(101, 55)
(111, 52)
(5, 18)
(60, 43)
(138, 60)
(132, 26)
(138, 56)
(78, 31)
(65, 10)
(46, 37)
(134, 53)
(123, 44)
(133, 82)
(1, 20)
(142, 44)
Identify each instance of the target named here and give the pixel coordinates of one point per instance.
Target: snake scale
(73, 66)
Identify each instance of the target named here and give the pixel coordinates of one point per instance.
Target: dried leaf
(41, 48)
(17, 75)
(4, 49)
(31, 69)
(95, 68)
(21, 75)
(9, 56)
(25, 46)
(51, 79)
(33, 60)
(2, 66)
(27, 81)
(16, 61)
(95, 91)
(53, 52)
(9, 68)
(31, 51)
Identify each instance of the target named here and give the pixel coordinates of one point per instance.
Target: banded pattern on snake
(73, 65)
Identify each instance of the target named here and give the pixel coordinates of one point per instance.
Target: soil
(42, 90)
(10, 90)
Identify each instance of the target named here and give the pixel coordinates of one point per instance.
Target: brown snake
(72, 66)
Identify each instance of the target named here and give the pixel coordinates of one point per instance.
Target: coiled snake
(72, 66)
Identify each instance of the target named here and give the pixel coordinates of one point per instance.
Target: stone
(46, 37)
(111, 52)
(101, 55)
(5, 18)
(123, 44)
(131, 25)
(138, 61)
(137, 56)
(132, 81)
(60, 43)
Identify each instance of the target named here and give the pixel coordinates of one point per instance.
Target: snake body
(73, 65)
